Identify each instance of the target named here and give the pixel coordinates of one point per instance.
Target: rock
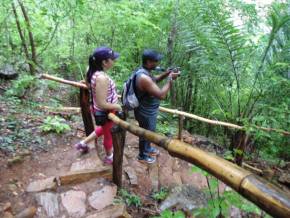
(132, 175)
(103, 197)
(74, 203)
(195, 179)
(154, 177)
(111, 212)
(125, 161)
(87, 164)
(285, 179)
(27, 213)
(8, 72)
(49, 201)
(235, 212)
(7, 215)
(177, 178)
(6, 207)
(15, 160)
(166, 177)
(42, 185)
(187, 197)
(139, 167)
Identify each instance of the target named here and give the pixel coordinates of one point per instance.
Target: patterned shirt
(112, 96)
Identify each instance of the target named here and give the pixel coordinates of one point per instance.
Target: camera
(174, 69)
(170, 69)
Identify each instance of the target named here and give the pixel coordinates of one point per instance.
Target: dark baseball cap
(104, 53)
(150, 54)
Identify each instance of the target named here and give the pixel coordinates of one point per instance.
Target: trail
(61, 158)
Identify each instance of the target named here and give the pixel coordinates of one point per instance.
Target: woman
(104, 99)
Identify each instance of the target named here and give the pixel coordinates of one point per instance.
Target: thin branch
(50, 40)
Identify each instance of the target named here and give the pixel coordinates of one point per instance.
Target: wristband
(169, 78)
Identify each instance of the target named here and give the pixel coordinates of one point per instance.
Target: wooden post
(180, 126)
(119, 136)
(85, 109)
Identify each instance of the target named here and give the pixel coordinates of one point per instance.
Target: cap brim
(116, 55)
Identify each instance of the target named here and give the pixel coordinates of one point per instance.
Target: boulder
(103, 197)
(186, 197)
(8, 72)
(49, 202)
(42, 185)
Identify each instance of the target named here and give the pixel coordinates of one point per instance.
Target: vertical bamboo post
(85, 109)
(118, 135)
(180, 126)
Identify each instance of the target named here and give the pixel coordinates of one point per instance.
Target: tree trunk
(21, 35)
(170, 47)
(238, 145)
(31, 39)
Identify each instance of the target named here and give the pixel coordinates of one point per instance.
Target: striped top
(112, 96)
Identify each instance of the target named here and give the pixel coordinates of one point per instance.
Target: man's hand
(174, 75)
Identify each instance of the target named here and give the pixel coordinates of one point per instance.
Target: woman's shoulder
(100, 75)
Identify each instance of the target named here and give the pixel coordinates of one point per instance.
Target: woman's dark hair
(96, 60)
(95, 64)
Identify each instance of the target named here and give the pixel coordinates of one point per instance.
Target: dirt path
(167, 172)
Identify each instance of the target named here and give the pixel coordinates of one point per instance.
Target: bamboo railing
(265, 195)
(173, 111)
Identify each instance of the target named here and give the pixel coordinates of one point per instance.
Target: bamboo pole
(61, 109)
(219, 123)
(64, 81)
(265, 195)
(173, 111)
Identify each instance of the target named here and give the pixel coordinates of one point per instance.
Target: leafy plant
(20, 85)
(130, 199)
(220, 204)
(161, 195)
(54, 124)
(169, 214)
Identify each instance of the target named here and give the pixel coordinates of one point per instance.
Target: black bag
(101, 117)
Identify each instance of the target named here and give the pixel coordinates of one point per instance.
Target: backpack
(129, 98)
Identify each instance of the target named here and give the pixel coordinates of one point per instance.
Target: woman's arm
(102, 85)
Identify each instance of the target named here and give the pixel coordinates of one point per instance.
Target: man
(149, 95)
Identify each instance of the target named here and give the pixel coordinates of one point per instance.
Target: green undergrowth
(128, 198)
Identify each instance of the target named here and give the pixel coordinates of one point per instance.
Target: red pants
(106, 131)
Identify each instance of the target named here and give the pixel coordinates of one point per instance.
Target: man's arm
(146, 84)
(162, 76)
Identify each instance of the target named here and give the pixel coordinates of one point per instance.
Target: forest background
(234, 58)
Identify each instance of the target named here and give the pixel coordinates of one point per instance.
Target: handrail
(185, 114)
(265, 195)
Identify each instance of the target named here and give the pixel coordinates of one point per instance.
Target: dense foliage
(234, 60)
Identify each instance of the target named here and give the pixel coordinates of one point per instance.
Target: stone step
(113, 211)
(74, 202)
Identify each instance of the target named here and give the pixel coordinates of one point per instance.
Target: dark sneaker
(153, 152)
(146, 159)
(83, 148)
